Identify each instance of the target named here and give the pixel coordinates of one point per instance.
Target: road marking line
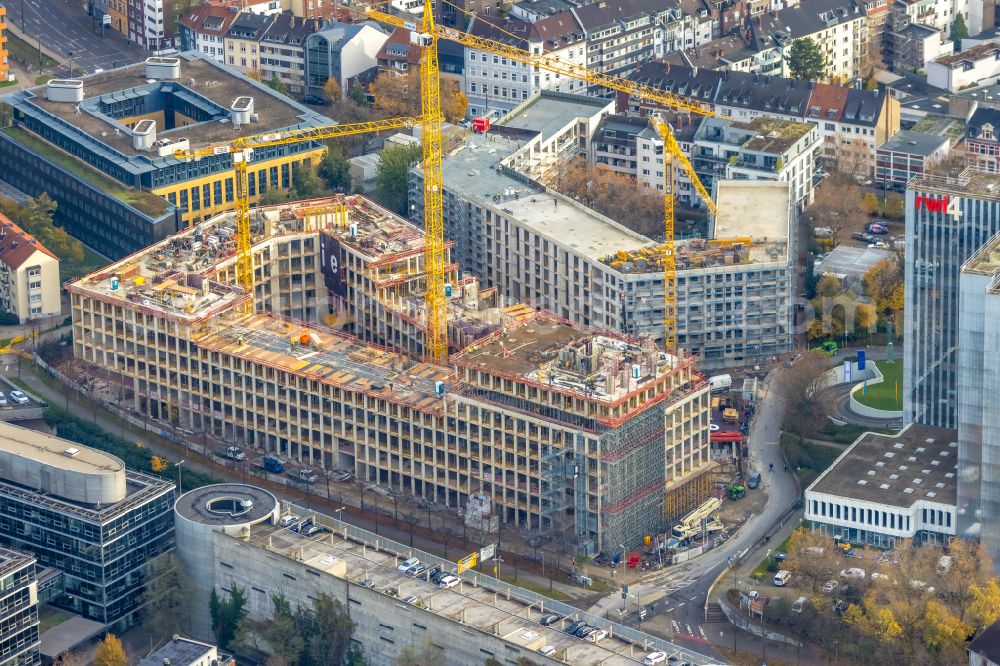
(681, 604)
(670, 610)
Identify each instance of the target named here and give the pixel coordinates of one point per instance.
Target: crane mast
(436, 303)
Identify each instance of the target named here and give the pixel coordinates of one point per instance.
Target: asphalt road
(66, 28)
(687, 584)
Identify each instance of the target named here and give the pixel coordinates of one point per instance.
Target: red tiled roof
(827, 98)
(216, 15)
(17, 245)
(399, 36)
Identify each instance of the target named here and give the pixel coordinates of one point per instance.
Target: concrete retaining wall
(865, 410)
(739, 620)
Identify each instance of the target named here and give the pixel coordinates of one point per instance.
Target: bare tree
(806, 408)
(838, 205)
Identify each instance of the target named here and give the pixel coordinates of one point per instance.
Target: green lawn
(883, 395)
(150, 204)
(809, 460)
(26, 52)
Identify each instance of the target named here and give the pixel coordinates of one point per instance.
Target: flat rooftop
(970, 183)
(11, 560)
(203, 83)
(914, 143)
(773, 135)
(550, 112)
(471, 603)
(469, 171)
(849, 261)
(180, 651)
(549, 352)
(56, 452)
(918, 463)
(769, 201)
(213, 505)
(328, 356)
(986, 260)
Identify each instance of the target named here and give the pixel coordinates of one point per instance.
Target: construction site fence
(641, 639)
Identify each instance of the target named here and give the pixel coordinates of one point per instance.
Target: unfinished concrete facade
(565, 429)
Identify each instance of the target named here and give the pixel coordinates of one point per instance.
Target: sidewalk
(423, 536)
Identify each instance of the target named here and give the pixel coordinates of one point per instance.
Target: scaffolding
(631, 469)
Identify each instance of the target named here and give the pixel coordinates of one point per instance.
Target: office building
(908, 155)
(479, 619)
(19, 640)
(79, 510)
(103, 147)
(29, 275)
(313, 395)
(187, 652)
(344, 52)
(947, 220)
(886, 488)
(978, 380)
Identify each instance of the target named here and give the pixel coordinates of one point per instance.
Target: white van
(781, 578)
(720, 383)
(799, 604)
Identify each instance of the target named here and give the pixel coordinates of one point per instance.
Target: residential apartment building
(982, 140)
(398, 55)
(29, 275)
(978, 65)
(120, 189)
(947, 220)
(852, 123)
(79, 510)
(242, 41)
(282, 51)
(536, 247)
(723, 149)
(18, 609)
(888, 488)
(443, 433)
(495, 84)
(204, 29)
(977, 379)
(252, 551)
(909, 155)
(916, 46)
(343, 52)
(614, 143)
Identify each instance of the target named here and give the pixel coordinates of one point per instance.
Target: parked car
(416, 570)
(548, 619)
(585, 631)
(781, 578)
(368, 582)
(546, 650)
(3, 399)
(654, 658)
(410, 599)
(290, 519)
(862, 180)
(449, 582)
(316, 100)
(854, 573)
(829, 586)
(840, 607)
(407, 563)
(781, 557)
(571, 629)
(19, 398)
(877, 228)
(597, 635)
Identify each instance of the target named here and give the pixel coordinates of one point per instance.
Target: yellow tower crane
(241, 150)
(432, 32)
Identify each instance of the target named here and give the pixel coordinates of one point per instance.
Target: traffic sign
(467, 562)
(487, 552)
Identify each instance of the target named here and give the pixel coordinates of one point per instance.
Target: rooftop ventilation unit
(64, 90)
(144, 134)
(242, 110)
(163, 68)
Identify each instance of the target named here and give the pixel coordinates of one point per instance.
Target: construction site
(594, 437)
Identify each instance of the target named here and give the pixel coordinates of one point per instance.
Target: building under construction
(594, 435)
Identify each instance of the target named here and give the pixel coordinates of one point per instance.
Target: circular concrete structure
(231, 508)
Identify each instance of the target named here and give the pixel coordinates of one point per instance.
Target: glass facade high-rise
(947, 220)
(19, 637)
(80, 511)
(978, 410)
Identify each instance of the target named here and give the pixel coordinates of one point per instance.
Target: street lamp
(340, 515)
(180, 477)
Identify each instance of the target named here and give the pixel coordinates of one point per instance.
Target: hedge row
(135, 457)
